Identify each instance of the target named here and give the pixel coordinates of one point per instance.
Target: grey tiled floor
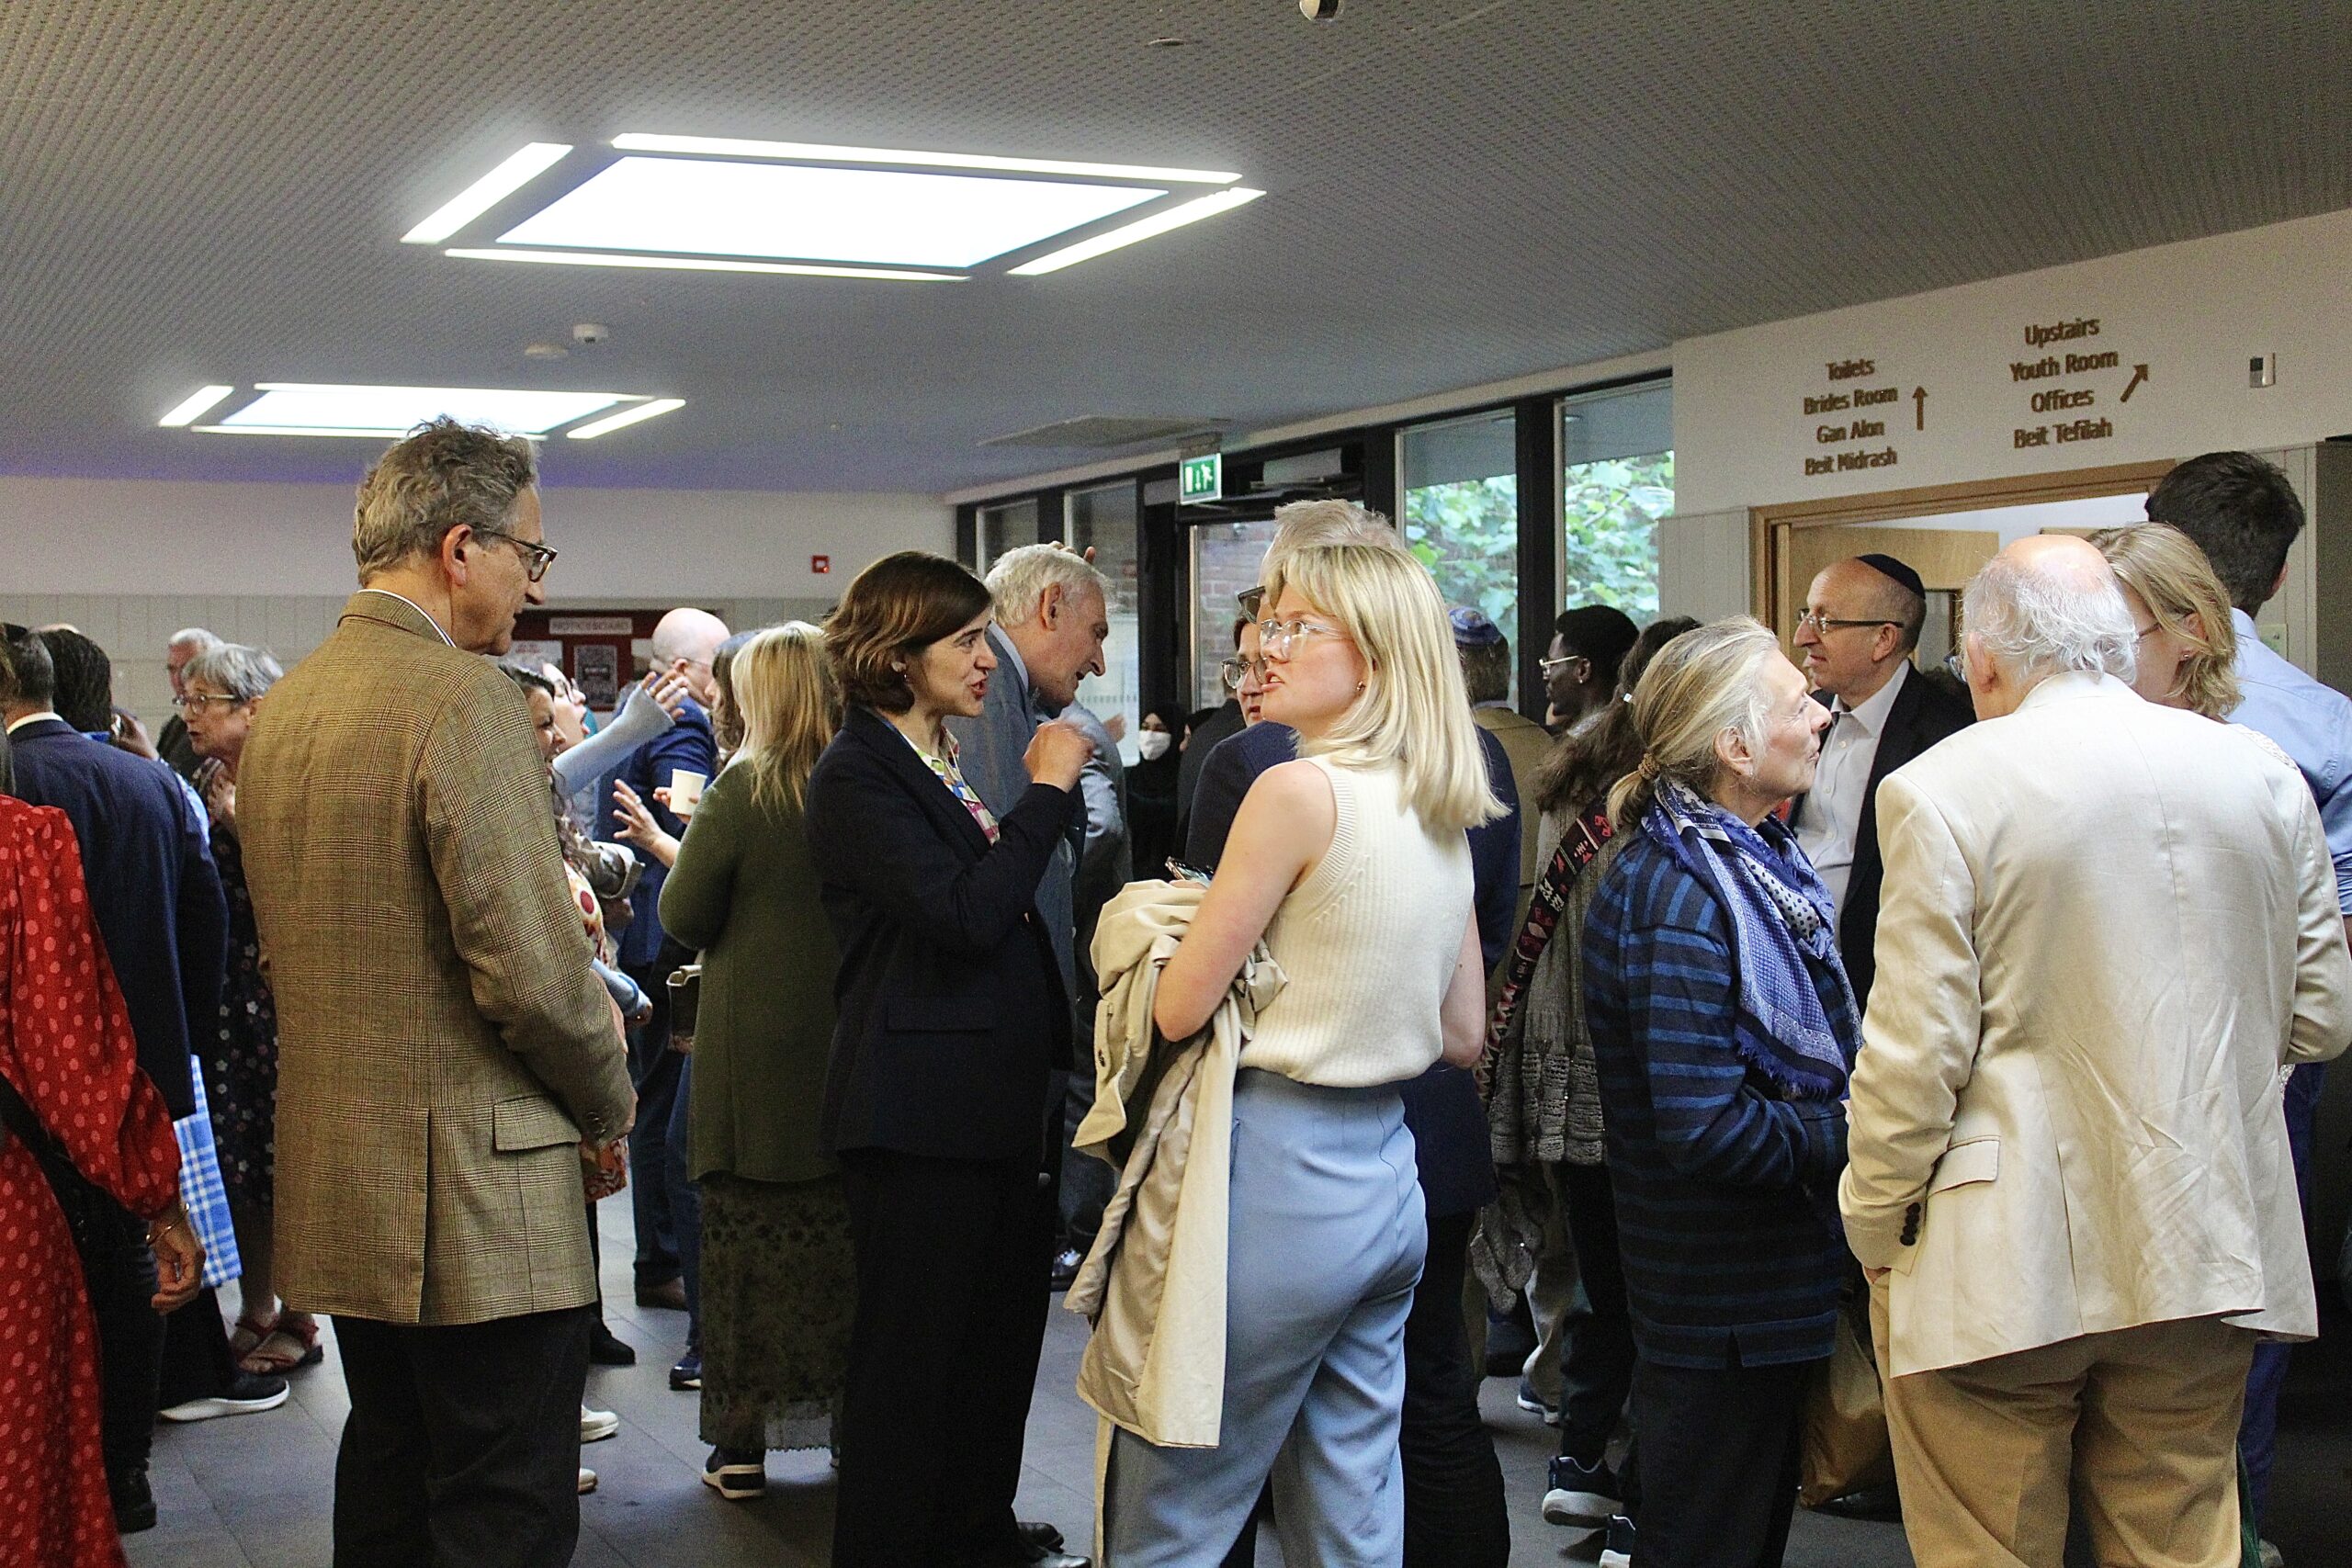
(256, 1490)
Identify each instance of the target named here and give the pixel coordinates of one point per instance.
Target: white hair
(1020, 578)
(193, 636)
(2036, 623)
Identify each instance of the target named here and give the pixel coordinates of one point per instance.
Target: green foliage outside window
(1467, 534)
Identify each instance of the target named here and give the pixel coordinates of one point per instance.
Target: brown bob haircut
(895, 609)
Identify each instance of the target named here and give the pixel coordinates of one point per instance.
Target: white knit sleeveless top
(1368, 943)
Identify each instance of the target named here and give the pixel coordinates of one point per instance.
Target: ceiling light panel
(1141, 228)
(703, 207)
(626, 417)
(487, 192)
(697, 263)
(815, 153)
(203, 401)
(294, 407)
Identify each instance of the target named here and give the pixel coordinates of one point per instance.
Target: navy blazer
(1441, 1106)
(688, 744)
(154, 891)
(951, 1011)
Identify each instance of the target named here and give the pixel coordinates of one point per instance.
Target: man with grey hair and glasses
(445, 1055)
(2107, 927)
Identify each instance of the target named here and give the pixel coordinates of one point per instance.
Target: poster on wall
(532, 654)
(596, 669)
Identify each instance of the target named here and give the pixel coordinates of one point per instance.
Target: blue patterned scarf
(1781, 916)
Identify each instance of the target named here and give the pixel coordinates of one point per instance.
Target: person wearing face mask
(952, 1018)
(1151, 796)
(1722, 1029)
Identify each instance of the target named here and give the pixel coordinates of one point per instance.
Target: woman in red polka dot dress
(66, 1053)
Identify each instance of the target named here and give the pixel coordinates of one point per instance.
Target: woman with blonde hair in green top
(777, 1282)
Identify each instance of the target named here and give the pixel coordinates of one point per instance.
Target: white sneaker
(595, 1425)
(587, 1480)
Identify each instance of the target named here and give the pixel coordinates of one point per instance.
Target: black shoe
(134, 1503)
(248, 1393)
(1065, 1270)
(686, 1376)
(736, 1474)
(668, 1294)
(1040, 1534)
(1586, 1495)
(1881, 1505)
(607, 1349)
(1617, 1550)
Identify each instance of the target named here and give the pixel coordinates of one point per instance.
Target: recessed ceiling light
(815, 153)
(306, 408)
(626, 418)
(202, 400)
(878, 217)
(487, 192)
(699, 263)
(1142, 229)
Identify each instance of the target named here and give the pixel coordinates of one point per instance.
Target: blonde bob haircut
(2178, 585)
(1698, 686)
(790, 706)
(1414, 711)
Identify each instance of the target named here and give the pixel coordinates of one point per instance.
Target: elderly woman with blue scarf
(1723, 1028)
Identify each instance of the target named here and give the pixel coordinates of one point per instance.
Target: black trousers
(462, 1449)
(119, 1270)
(197, 1363)
(655, 1068)
(952, 1258)
(1718, 1464)
(1597, 1369)
(1455, 1512)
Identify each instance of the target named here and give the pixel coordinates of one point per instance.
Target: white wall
(2193, 313)
(131, 561)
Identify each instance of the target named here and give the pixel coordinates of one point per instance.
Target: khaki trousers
(2138, 1426)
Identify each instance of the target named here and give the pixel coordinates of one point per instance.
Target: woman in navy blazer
(951, 1014)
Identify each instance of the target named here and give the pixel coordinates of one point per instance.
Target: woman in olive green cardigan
(777, 1282)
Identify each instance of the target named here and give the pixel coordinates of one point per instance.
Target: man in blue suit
(157, 901)
(661, 1201)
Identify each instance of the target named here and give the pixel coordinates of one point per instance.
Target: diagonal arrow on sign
(2139, 374)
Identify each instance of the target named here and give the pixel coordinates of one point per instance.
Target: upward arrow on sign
(1919, 407)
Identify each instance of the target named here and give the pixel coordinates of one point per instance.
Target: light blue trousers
(1324, 1248)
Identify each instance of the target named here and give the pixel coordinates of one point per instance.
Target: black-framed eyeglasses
(1822, 622)
(537, 557)
(1238, 669)
(1249, 599)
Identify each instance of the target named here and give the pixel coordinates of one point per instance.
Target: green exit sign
(1200, 479)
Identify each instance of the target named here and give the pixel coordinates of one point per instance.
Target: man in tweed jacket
(444, 1051)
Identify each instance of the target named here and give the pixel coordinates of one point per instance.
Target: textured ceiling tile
(1460, 190)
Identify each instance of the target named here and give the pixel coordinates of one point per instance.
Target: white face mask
(1153, 744)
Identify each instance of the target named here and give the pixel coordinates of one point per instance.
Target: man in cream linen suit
(2108, 926)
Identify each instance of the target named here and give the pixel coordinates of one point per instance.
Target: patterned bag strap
(1579, 847)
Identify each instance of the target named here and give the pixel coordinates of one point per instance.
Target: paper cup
(686, 791)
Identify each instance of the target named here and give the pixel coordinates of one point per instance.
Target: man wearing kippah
(1860, 621)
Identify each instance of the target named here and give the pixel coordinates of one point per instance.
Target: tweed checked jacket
(442, 1045)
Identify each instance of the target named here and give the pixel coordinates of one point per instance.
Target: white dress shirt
(1832, 813)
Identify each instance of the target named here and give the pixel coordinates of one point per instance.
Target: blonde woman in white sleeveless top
(1351, 864)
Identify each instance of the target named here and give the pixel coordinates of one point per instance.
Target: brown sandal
(285, 1349)
(246, 1337)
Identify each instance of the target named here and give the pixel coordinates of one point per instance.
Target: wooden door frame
(1766, 592)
